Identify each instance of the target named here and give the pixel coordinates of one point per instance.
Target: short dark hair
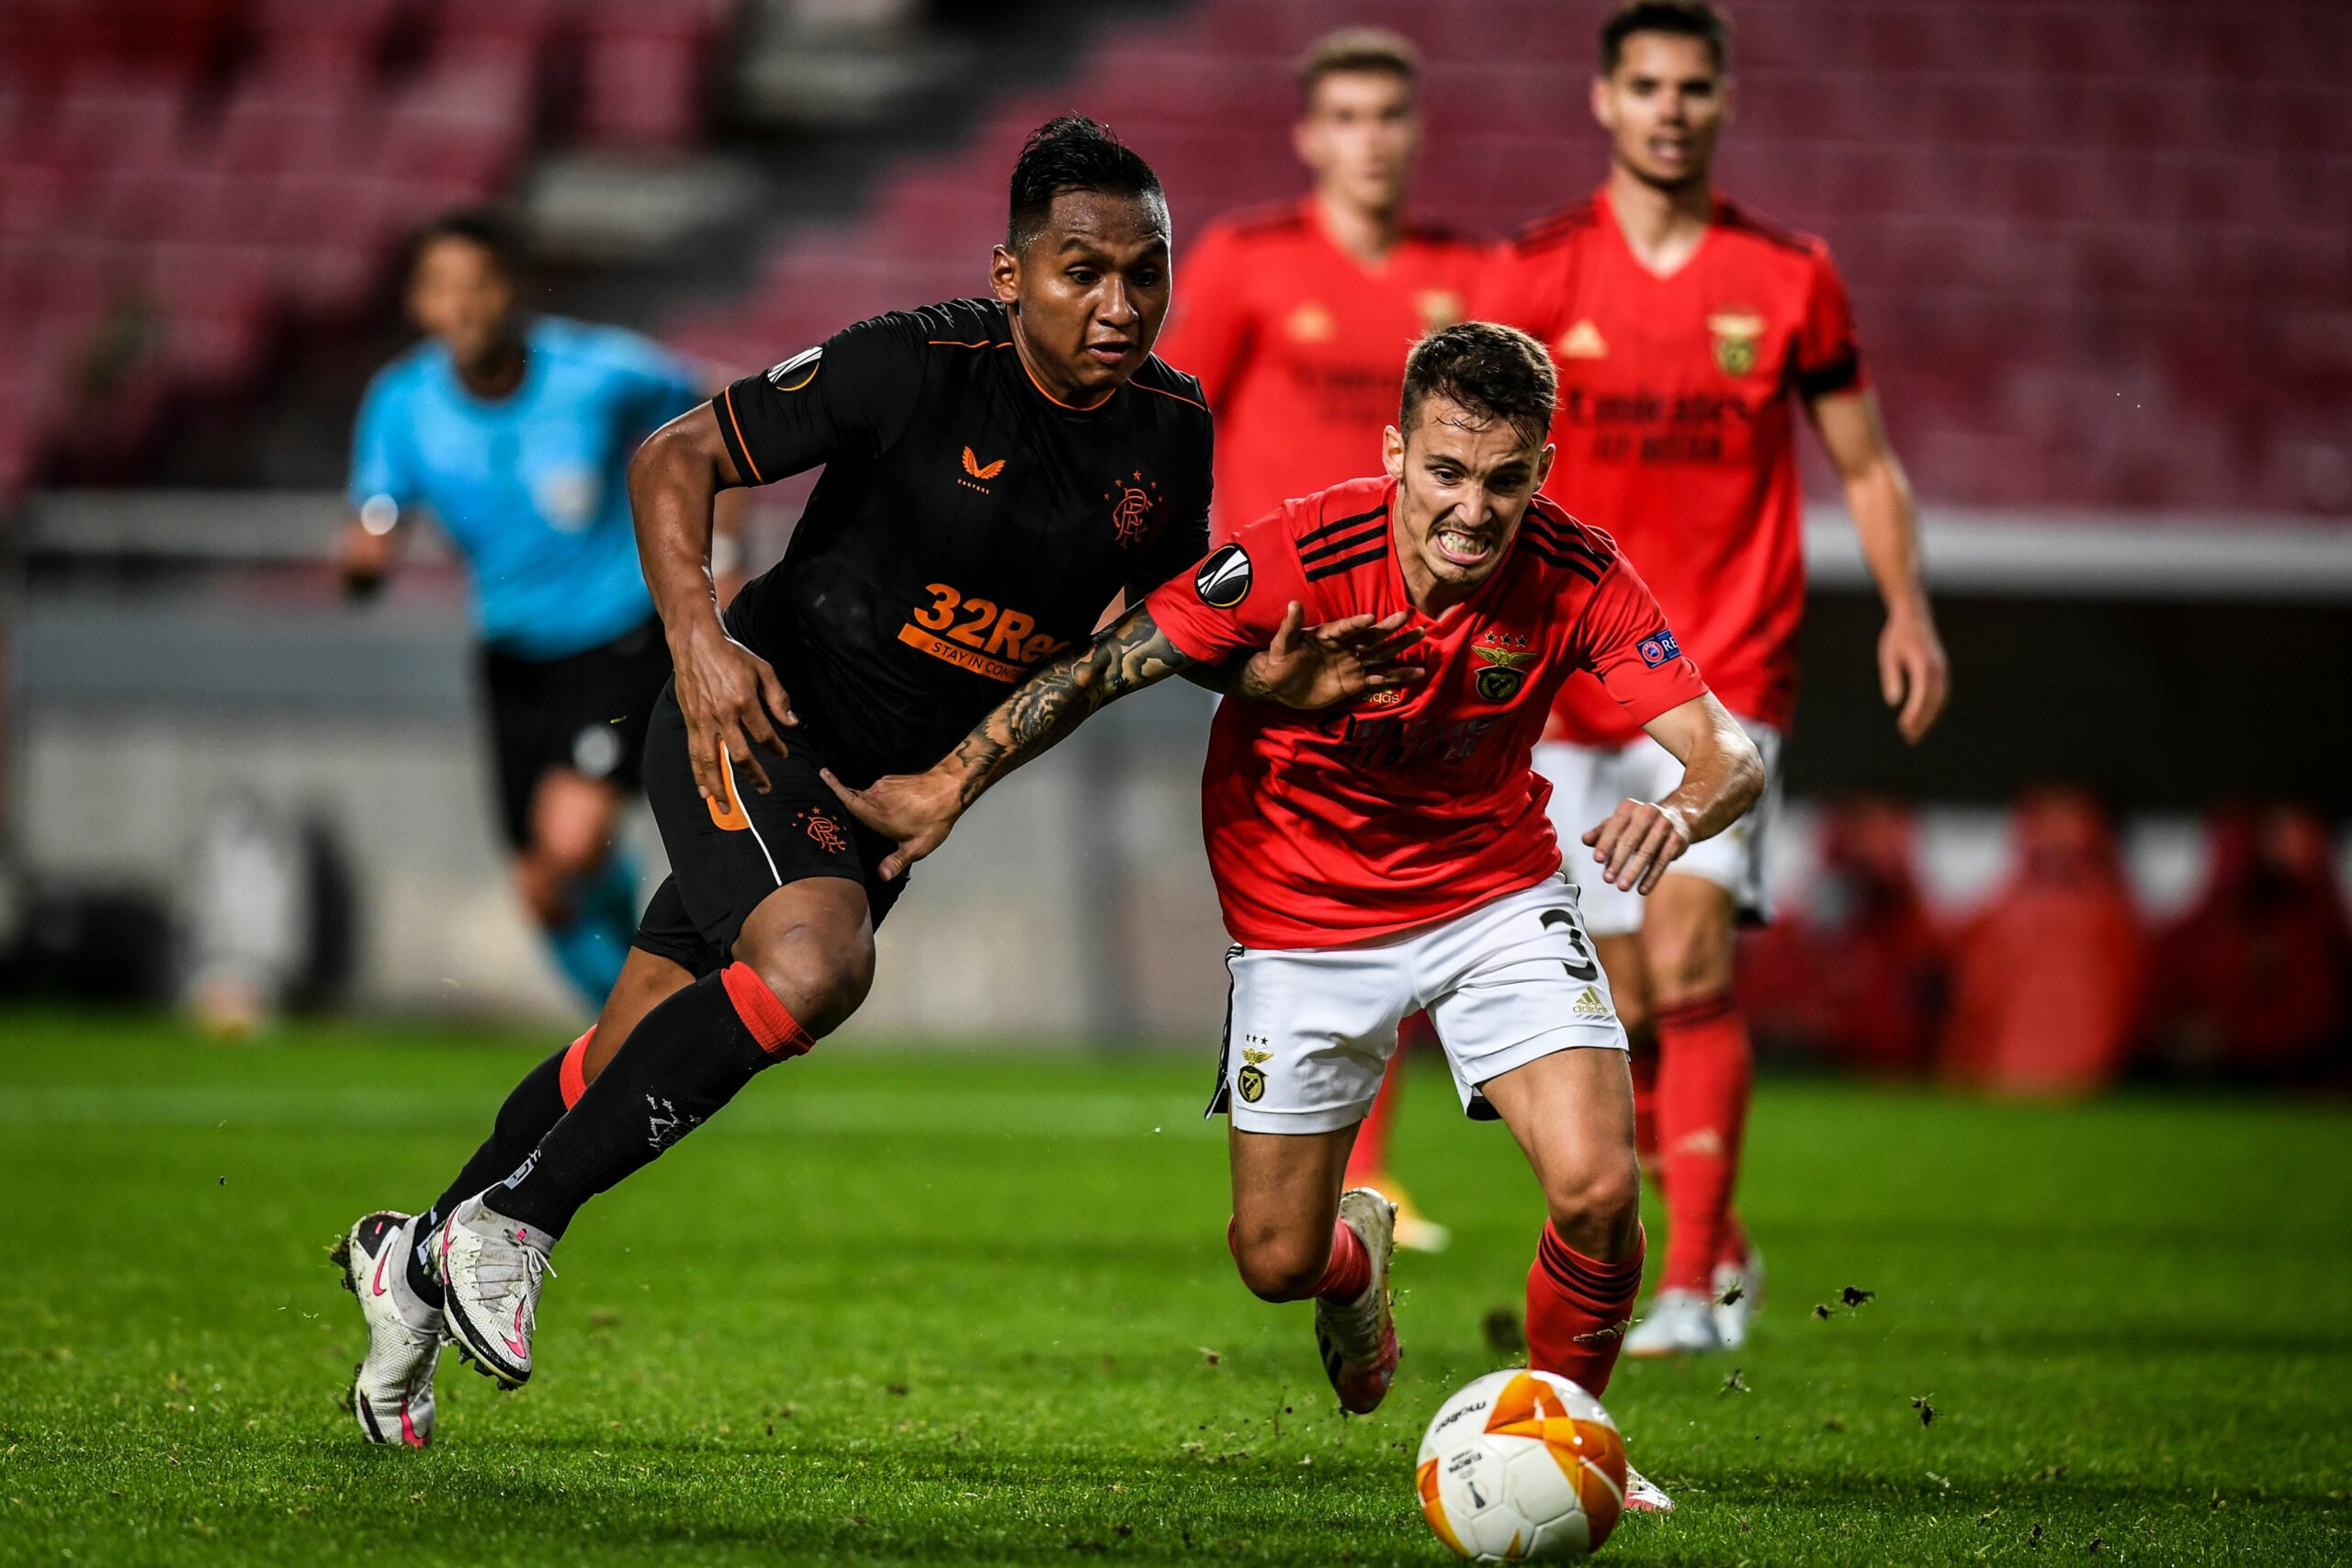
(1683, 18)
(1357, 49)
(1490, 370)
(492, 230)
(1071, 153)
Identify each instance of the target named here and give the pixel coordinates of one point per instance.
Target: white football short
(1309, 1031)
(1590, 782)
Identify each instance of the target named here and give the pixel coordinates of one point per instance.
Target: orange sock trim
(571, 1075)
(770, 1021)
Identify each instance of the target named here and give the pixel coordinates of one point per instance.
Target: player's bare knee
(1595, 1204)
(820, 982)
(1282, 1268)
(1686, 960)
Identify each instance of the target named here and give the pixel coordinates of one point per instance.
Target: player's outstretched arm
(1914, 675)
(1721, 776)
(1303, 667)
(919, 810)
(730, 696)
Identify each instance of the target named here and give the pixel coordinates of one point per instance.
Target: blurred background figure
(2048, 977)
(515, 432)
(2253, 979)
(1854, 972)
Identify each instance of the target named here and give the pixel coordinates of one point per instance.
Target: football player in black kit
(997, 472)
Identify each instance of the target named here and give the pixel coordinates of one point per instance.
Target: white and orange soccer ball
(1522, 1467)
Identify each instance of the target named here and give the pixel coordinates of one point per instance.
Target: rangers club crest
(1503, 656)
(1132, 501)
(1737, 336)
(825, 832)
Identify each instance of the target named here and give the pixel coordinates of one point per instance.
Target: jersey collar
(1606, 212)
(534, 366)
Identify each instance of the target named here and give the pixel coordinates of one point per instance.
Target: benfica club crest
(1503, 656)
(1739, 335)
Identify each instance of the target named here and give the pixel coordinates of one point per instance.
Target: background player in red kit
(1391, 851)
(1296, 319)
(1686, 329)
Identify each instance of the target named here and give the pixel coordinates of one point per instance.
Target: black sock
(688, 1057)
(536, 1105)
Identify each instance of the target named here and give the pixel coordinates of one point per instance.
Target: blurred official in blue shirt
(515, 433)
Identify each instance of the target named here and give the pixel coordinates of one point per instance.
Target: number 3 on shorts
(1582, 967)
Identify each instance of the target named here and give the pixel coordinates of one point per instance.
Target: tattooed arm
(1301, 668)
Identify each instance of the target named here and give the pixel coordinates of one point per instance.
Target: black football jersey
(967, 526)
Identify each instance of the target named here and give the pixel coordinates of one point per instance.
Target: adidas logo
(1590, 1004)
(1584, 342)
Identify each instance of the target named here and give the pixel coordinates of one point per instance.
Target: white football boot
(1358, 1339)
(391, 1389)
(1744, 1284)
(490, 1267)
(1643, 1495)
(1680, 1323)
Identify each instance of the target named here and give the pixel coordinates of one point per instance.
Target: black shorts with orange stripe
(725, 861)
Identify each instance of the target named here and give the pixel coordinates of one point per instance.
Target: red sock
(1344, 1277)
(1644, 1067)
(571, 1077)
(1578, 1309)
(1705, 1074)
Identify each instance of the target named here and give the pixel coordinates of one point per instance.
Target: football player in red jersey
(1391, 850)
(1297, 318)
(1687, 331)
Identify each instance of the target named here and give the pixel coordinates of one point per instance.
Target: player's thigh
(1587, 782)
(1308, 1034)
(1512, 980)
(729, 856)
(1285, 1197)
(1687, 938)
(1572, 1113)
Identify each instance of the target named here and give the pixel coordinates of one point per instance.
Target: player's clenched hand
(917, 810)
(1637, 843)
(1913, 673)
(729, 697)
(1313, 667)
(364, 561)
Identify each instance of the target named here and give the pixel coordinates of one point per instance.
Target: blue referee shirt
(532, 486)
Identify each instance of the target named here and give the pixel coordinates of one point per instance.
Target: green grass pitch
(967, 1308)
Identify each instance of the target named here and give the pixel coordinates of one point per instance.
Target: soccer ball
(1522, 1467)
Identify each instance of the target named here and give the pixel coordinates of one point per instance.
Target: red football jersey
(1301, 347)
(1405, 807)
(1675, 427)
